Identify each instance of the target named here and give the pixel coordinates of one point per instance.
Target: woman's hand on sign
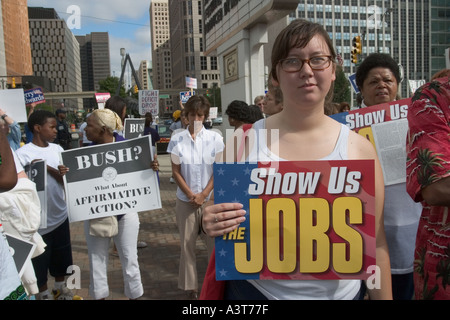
(155, 164)
(222, 218)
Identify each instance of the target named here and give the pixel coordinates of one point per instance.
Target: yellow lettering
(255, 263)
(241, 233)
(353, 261)
(281, 217)
(231, 235)
(368, 134)
(314, 243)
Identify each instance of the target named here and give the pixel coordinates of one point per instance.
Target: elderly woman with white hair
(102, 126)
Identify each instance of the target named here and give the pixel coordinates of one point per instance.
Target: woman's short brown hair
(197, 104)
(297, 35)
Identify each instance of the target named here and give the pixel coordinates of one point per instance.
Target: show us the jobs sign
(110, 179)
(305, 220)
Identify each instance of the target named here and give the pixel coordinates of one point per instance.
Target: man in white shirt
(193, 152)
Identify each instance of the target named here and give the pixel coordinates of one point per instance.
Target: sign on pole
(191, 83)
(186, 95)
(149, 102)
(101, 99)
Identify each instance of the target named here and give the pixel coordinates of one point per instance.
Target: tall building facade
(414, 32)
(55, 52)
(3, 73)
(188, 46)
(16, 39)
(94, 59)
(144, 75)
(161, 51)
(95, 63)
(440, 33)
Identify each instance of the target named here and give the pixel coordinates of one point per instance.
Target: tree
(215, 98)
(341, 87)
(110, 85)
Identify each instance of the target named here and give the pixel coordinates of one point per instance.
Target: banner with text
(385, 126)
(110, 179)
(305, 220)
(133, 128)
(35, 95)
(149, 102)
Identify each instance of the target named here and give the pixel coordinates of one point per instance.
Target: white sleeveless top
(304, 289)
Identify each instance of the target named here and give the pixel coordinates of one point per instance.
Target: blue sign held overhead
(184, 96)
(352, 79)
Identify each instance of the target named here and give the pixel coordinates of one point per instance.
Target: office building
(161, 52)
(188, 46)
(94, 59)
(415, 32)
(16, 42)
(144, 75)
(55, 52)
(95, 63)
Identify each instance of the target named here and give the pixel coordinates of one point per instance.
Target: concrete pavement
(158, 262)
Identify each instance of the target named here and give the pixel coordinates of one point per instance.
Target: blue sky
(127, 23)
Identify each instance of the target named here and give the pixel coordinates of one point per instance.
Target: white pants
(126, 243)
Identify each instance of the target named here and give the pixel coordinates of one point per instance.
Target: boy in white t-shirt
(58, 254)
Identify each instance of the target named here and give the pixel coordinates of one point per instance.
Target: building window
(213, 63)
(204, 63)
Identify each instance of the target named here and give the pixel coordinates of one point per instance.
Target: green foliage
(215, 98)
(110, 85)
(341, 87)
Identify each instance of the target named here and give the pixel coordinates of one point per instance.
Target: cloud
(102, 9)
(127, 23)
(138, 47)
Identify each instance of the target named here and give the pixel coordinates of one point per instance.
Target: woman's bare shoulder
(360, 147)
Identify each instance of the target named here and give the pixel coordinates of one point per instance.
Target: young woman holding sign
(303, 66)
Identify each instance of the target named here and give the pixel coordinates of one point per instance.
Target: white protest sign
(110, 179)
(101, 99)
(149, 102)
(12, 101)
(191, 83)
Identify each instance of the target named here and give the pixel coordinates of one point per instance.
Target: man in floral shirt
(428, 181)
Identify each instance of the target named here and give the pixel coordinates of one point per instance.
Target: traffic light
(356, 49)
(207, 92)
(13, 82)
(354, 57)
(357, 45)
(135, 89)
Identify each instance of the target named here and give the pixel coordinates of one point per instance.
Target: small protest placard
(35, 95)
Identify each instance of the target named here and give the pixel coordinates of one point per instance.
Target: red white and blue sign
(304, 220)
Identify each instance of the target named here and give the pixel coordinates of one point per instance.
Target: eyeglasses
(315, 63)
